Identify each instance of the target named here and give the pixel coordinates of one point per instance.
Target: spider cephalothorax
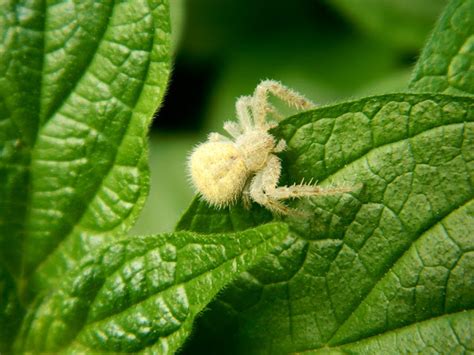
(245, 166)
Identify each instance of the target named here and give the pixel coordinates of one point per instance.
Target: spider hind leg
(261, 106)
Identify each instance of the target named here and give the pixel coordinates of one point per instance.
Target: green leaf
(11, 311)
(392, 253)
(433, 277)
(143, 293)
(79, 83)
(447, 61)
(170, 193)
(450, 334)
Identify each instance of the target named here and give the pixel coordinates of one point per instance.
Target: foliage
(387, 267)
(142, 293)
(396, 253)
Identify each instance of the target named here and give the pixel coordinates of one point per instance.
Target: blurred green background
(330, 50)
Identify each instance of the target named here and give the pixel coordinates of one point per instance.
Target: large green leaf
(142, 293)
(447, 61)
(79, 82)
(395, 251)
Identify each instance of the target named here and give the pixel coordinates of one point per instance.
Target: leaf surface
(142, 293)
(447, 62)
(79, 83)
(449, 334)
(395, 251)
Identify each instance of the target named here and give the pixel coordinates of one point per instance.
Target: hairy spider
(245, 166)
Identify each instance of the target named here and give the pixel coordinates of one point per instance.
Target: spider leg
(272, 110)
(280, 147)
(269, 124)
(303, 190)
(264, 182)
(217, 137)
(264, 190)
(242, 108)
(260, 99)
(246, 199)
(233, 128)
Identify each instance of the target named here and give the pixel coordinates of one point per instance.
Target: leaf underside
(142, 293)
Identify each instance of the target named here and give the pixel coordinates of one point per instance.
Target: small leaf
(79, 82)
(362, 263)
(447, 61)
(143, 293)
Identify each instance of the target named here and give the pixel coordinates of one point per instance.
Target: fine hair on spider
(245, 165)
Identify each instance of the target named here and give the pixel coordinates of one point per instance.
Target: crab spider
(245, 166)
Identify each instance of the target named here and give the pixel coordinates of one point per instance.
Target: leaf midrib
(430, 319)
(66, 94)
(72, 226)
(419, 235)
(439, 218)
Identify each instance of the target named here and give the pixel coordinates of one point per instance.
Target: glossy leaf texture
(142, 293)
(79, 83)
(447, 62)
(452, 334)
(396, 251)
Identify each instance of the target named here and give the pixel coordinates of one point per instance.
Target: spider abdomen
(218, 172)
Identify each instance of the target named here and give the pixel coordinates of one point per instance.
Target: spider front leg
(280, 147)
(233, 128)
(264, 183)
(260, 99)
(264, 190)
(217, 137)
(246, 199)
(242, 109)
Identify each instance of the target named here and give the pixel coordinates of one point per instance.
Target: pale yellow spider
(245, 166)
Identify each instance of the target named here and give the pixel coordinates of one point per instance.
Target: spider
(245, 166)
